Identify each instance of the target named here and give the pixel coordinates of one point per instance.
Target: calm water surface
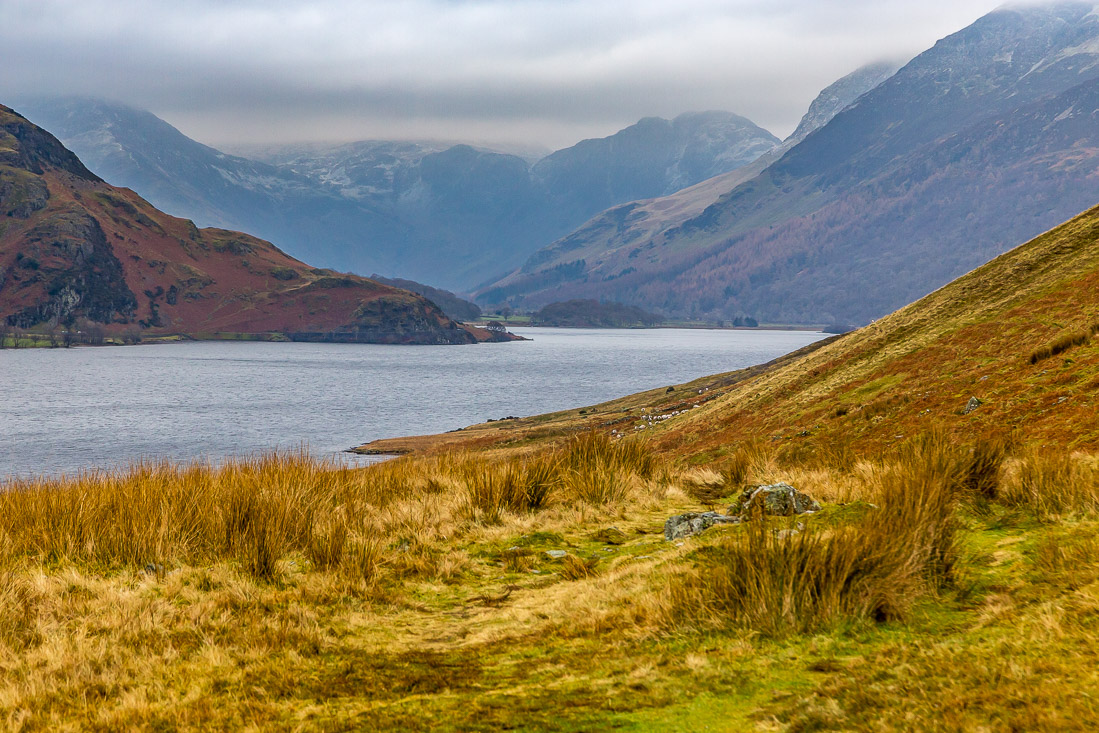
(65, 410)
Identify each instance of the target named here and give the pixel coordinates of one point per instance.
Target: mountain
(981, 142)
(473, 213)
(135, 149)
(451, 215)
(636, 221)
(75, 251)
(839, 95)
(651, 158)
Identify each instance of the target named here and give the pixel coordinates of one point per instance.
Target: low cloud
(534, 71)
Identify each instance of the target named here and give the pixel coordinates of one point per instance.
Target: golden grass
(1063, 343)
(780, 581)
(256, 512)
(1051, 484)
(281, 592)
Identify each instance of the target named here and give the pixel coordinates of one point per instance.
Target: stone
(972, 405)
(610, 536)
(556, 554)
(691, 523)
(781, 500)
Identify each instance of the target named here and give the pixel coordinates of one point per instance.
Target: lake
(67, 410)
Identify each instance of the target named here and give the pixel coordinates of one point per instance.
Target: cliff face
(74, 250)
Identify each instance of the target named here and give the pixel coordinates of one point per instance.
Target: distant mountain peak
(840, 94)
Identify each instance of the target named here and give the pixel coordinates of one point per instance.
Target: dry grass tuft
(796, 582)
(575, 568)
(983, 468)
(1052, 484)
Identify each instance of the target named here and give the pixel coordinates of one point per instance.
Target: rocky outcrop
(82, 276)
(780, 500)
(685, 525)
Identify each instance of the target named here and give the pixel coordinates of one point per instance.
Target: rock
(610, 536)
(556, 554)
(779, 499)
(670, 389)
(972, 405)
(691, 523)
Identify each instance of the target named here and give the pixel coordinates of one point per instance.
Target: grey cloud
(247, 70)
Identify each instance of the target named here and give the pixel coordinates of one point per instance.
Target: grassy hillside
(515, 575)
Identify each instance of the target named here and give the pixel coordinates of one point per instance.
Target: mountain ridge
(75, 250)
(453, 216)
(889, 174)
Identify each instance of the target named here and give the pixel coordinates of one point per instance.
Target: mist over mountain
(976, 145)
(449, 215)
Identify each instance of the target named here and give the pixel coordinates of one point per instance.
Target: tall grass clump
(747, 458)
(496, 488)
(983, 467)
(779, 583)
(598, 470)
(1052, 484)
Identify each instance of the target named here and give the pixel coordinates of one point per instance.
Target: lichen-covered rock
(691, 523)
(780, 499)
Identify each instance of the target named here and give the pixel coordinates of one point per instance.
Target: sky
(529, 73)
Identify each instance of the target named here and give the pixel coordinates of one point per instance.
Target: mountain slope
(1017, 334)
(451, 215)
(637, 221)
(979, 143)
(74, 249)
(1020, 334)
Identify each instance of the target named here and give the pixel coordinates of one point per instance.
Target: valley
(308, 507)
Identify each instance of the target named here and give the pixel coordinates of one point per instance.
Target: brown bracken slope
(1020, 334)
(75, 251)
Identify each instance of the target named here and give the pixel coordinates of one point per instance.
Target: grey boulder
(781, 500)
(691, 523)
